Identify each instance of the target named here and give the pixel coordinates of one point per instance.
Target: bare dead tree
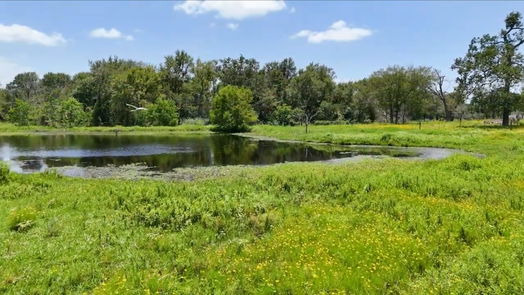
(437, 89)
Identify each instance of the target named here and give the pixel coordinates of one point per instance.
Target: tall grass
(451, 226)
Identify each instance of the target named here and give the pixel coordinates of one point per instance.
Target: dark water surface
(32, 153)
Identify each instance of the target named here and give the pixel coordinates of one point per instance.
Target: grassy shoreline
(472, 136)
(371, 227)
(9, 129)
(469, 135)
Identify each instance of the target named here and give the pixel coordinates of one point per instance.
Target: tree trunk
(446, 110)
(306, 122)
(505, 116)
(506, 109)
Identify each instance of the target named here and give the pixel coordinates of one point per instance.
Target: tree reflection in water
(162, 153)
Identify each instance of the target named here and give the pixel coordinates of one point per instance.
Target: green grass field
(452, 226)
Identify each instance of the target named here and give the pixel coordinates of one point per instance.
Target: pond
(163, 153)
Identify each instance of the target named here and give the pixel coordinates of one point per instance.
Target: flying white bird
(136, 108)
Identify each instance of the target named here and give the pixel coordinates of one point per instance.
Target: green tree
(343, 100)
(162, 113)
(55, 87)
(241, 72)
(176, 71)
(283, 115)
(137, 86)
(203, 86)
(4, 104)
(269, 87)
(231, 110)
(24, 86)
(364, 105)
(264, 103)
(310, 88)
(103, 72)
(401, 92)
(84, 89)
(49, 114)
(70, 113)
(493, 67)
(329, 111)
(176, 74)
(19, 114)
(288, 71)
(51, 81)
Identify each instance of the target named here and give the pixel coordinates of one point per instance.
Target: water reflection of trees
(188, 150)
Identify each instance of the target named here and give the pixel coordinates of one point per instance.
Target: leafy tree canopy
(231, 110)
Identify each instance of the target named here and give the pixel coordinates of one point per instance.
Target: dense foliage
(162, 113)
(451, 226)
(19, 113)
(110, 93)
(493, 67)
(231, 110)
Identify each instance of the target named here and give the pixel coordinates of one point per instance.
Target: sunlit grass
(451, 226)
(469, 135)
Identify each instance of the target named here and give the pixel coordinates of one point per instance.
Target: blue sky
(354, 38)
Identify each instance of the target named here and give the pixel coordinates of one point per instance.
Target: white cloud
(237, 10)
(8, 70)
(110, 34)
(232, 26)
(338, 32)
(24, 34)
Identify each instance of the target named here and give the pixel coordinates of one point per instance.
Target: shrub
(231, 110)
(328, 112)
(19, 113)
(283, 115)
(70, 113)
(162, 113)
(21, 219)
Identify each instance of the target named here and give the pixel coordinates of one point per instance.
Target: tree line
(125, 92)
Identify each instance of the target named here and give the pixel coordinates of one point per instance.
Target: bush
(21, 219)
(19, 113)
(163, 113)
(328, 111)
(71, 113)
(283, 115)
(287, 116)
(231, 110)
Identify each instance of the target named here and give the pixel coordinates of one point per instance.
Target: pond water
(35, 153)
